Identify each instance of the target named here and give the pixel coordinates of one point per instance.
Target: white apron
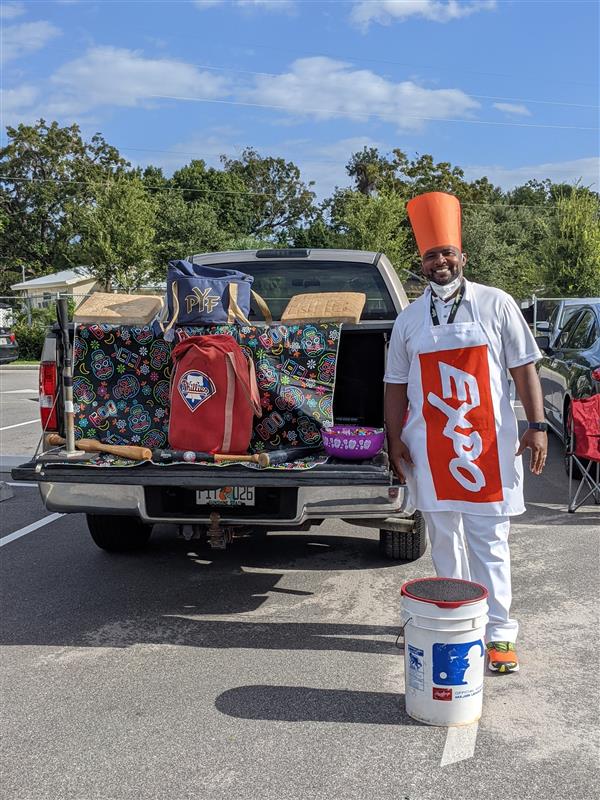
(461, 429)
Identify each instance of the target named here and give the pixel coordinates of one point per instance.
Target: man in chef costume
(458, 448)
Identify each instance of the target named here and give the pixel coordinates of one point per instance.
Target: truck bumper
(352, 503)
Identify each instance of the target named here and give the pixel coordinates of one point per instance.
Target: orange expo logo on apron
(462, 448)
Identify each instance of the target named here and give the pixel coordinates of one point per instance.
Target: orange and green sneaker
(502, 657)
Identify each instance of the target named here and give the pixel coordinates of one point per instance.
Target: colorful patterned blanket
(122, 376)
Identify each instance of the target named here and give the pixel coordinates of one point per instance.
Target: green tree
(116, 233)
(45, 169)
(225, 192)
(277, 199)
(504, 245)
(572, 246)
(371, 171)
(372, 223)
(183, 229)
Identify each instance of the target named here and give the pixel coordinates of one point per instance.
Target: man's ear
(464, 258)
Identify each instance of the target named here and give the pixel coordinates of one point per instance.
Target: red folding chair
(584, 450)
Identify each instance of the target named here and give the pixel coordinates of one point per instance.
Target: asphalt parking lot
(270, 670)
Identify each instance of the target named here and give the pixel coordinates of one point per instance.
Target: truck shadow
(307, 704)
(175, 595)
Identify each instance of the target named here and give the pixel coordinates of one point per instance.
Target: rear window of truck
(278, 281)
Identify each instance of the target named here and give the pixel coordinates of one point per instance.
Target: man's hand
(399, 452)
(537, 441)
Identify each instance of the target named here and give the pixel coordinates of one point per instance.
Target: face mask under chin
(446, 291)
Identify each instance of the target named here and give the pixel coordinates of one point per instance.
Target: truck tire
(118, 534)
(404, 545)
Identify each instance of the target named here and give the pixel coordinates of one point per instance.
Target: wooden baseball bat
(94, 446)
(191, 456)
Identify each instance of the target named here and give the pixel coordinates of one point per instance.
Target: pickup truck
(123, 503)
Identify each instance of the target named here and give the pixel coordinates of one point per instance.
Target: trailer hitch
(218, 537)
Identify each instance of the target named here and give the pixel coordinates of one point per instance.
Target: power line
(353, 60)
(470, 94)
(8, 179)
(367, 114)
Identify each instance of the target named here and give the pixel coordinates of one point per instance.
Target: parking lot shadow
(179, 593)
(306, 704)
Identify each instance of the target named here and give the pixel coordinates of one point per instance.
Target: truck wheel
(118, 534)
(404, 545)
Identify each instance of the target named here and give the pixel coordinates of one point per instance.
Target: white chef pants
(475, 548)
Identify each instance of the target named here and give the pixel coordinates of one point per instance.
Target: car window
(594, 334)
(278, 281)
(566, 330)
(568, 313)
(581, 331)
(552, 317)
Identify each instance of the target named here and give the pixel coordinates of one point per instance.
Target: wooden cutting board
(118, 309)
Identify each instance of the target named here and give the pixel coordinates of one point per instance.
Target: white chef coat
(461, 430)
(500, 315)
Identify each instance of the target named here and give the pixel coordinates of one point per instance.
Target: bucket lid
(444, 592)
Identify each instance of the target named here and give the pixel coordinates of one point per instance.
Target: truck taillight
(48, 391)
(596, 374)
(12, 338)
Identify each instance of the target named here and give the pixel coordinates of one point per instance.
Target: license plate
(226, 496)
(3, 340)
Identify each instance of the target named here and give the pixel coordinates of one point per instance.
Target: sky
(502, 88)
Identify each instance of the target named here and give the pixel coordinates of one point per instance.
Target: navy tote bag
(203, 295)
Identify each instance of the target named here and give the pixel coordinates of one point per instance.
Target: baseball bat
(62, 317)
(93, 446)
(262, 459)
(191, 456)
(291, 454)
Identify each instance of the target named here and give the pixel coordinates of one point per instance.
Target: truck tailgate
(337, 473)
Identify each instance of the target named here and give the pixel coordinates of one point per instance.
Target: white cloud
(11, 10)
(19, 40)
(15, 101)
(586, 169)
(110, 76)
(322, 88)
(513, 108)
(386, 11)
(268, 5)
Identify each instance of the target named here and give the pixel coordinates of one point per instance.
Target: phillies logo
(195, 388)
(462, 448)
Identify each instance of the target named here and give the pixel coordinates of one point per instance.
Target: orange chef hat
(435, 219)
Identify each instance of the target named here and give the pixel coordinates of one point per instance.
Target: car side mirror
(543, 342)
(543, 326)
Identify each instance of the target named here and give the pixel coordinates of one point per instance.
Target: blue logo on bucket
(451, 661)
(195, 388)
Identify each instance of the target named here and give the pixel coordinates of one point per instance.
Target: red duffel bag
(214, 396)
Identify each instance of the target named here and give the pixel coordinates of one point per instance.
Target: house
(42, 292)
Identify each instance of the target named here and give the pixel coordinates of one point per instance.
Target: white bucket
(444, 623)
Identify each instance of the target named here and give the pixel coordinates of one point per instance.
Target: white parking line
(18, 425)
(460, 744)
(20, 391)
(23, 485)
(30, 528)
